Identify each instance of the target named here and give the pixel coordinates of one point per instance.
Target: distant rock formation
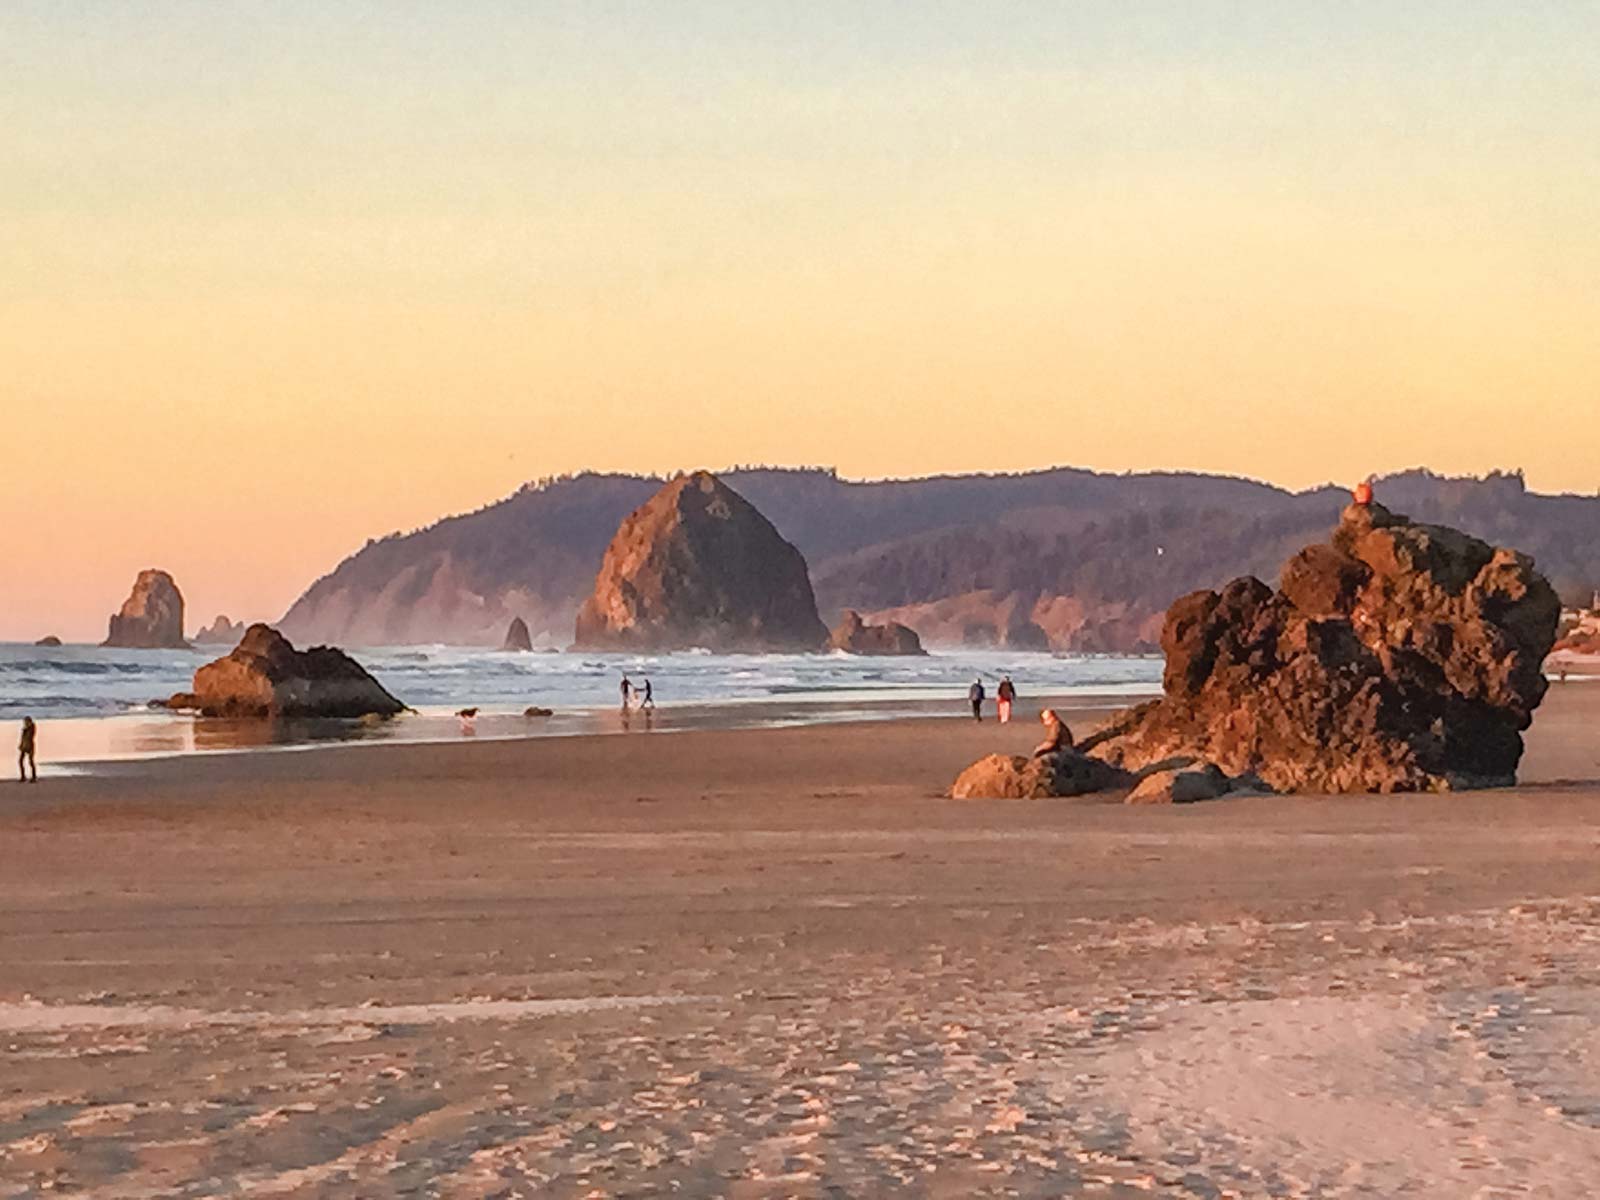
(265, 676)
(1399, 658)
(48, 640)
(1090, 560)
(854, 636)
(221, 632)
(151, 617)
(698, 566)
(517, 636)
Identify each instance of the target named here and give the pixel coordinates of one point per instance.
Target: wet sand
(776, 962)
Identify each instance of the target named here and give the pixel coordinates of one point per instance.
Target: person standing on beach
(649, 700)
(975, 695)
(1057, 736)
(25, 751)
(1006, 695)
(627, 693)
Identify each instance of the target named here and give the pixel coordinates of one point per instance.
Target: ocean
(93, 702)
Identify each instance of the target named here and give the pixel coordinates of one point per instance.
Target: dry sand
(777, 963)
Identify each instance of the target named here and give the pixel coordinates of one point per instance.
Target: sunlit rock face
(698, 566)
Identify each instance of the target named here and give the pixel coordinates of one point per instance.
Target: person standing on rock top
(1362, 492)
(1006, 696)
(25, 751)
(975, 696)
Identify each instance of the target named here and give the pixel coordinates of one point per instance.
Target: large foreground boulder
(698, 566)
(265, 676)
(1399, 657)
(151, 617)
(854, 636)
(1014, 777)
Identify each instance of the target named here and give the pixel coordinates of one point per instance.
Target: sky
(276, 278)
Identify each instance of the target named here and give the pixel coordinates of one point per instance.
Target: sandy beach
(778, 963)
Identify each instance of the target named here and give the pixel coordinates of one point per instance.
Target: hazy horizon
(278, 279)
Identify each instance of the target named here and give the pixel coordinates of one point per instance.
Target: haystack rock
(265, 676)
(517, 636)
(854, 636)
(698, 566)
(1399, 657)
(151, 617)
(221, 632)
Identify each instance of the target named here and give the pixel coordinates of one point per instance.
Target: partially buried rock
(151, 617)
(517, 636)
(1181, 785)
(535, 711)
(698, 566)
(1014, 777)
(854, 636)
(265, 676)
(1398, 658)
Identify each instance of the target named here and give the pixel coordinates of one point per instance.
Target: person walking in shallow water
(25, 751)
(1006, 696)
(975, 697)
(648, 701)
(627, 693)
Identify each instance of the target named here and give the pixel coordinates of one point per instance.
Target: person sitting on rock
(1057, 736)
(25, 748)
(1006, 694)
(975, 695)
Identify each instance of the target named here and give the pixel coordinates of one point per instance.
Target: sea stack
(221, 632)
(698, 566)
(152, 616)
(517, 636)
(265, 676)
(1398, 657)
(854, 636)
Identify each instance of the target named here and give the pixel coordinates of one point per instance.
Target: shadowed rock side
(1400, 657)
(854, 636)
(151, 617)
(697, 566)
(265, 676)
(517, 636)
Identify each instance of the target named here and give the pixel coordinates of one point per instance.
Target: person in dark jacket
(25, 750)
(975, 697)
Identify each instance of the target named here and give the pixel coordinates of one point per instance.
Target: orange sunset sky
(278, 278)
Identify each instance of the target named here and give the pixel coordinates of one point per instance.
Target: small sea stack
(517, 636)
(854, 635)
(151, 618)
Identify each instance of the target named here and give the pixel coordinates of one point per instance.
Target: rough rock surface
(265, 676)
(221, 632)
(698, 566)
(1400, 657)
(1181, 785)
(854, 636)
(48, 640)
(151, 617)
(517, 636)
(1014, 777)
